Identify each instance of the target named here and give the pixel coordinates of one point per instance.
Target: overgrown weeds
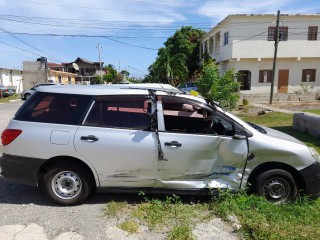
(263, 220)
(258, 218)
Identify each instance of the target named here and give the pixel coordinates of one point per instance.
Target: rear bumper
(311, 176)
(18, 169)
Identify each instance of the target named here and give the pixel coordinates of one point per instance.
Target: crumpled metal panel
(202, 161)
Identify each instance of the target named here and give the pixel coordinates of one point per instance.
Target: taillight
(9, 135)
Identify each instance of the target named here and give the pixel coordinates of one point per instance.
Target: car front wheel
(67, 184)
(276, 185)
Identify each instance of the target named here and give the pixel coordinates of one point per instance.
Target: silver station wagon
(151, 138)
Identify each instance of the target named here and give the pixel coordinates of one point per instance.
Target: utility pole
(275, 56)
(99, 50)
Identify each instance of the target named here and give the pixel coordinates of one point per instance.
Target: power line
(80, 25)
(109, 38)
(137, 70)
(96, 21)
(24, 50)
(29, 45)
(85, 35)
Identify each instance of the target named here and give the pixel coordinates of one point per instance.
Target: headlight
(314, 154)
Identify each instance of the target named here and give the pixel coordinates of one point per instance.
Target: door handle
(173, 144)
(90, 138)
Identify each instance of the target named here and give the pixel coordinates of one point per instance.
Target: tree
(223, 89)
(125, 72)
(96, 80)
(111, 75)
(177, 61)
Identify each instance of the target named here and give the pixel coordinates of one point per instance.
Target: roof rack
(155, 87)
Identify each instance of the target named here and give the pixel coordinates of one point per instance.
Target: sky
(130, 32)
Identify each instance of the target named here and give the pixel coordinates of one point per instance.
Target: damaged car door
(117, 139)
(200, 147)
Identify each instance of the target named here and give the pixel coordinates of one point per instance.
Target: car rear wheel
(277, 186)
(67, 184)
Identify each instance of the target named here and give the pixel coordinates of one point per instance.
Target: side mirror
(240, 134)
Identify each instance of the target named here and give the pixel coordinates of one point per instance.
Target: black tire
(27, 96)
(67, 184)
(276, 185)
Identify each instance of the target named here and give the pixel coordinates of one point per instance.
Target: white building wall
(295, 73)
(11, 78)
(249, 48)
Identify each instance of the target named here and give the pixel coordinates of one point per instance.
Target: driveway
(27, 214)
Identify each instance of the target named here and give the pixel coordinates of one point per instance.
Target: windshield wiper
(257, 127)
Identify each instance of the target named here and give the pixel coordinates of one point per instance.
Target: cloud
(82, 16)
(218, 10)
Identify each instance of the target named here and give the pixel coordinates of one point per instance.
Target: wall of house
(33, 74)
(54, 77)
(248, 48)
(11, 78)
(248, 37)
(295, 73)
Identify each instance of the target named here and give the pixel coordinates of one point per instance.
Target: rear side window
(129, 112)
(54, 108)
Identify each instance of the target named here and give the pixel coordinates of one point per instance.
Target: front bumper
(311, 177)
(18, 169)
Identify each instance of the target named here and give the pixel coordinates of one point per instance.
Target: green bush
(223, 89)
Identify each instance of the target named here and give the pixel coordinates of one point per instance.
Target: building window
(283, 33)
(265, 76)
(211, 45)
(69, 80)
(308, 75)
(312, 32)
(226, 38)
(59, 79)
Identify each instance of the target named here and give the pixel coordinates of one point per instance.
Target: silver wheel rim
(66, 185)
(276, 189)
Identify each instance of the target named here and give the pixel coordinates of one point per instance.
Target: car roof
(108, 89)
(117, 89)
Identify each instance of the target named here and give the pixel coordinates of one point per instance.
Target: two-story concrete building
(37, 72)
(87, 70)
(246, 44)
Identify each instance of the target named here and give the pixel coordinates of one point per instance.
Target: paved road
(26, 213)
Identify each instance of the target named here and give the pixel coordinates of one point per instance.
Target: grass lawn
(7, 99)
(258, 218)
(283, 123)
(316, 111)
